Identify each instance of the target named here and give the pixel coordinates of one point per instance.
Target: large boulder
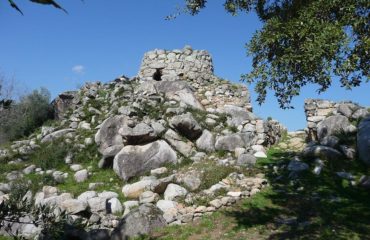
(108, 136)
(229, 142)
(237, 115)
(57, 134)
(363, 140)
(141, 133)
(140, 221)
(74, 206)
(246, 160)
(172, 90)
(133, 160)
(236, 140)
(187, 126)
(346, 109)
(332, 125)
(178, 143)
(323, 152)
(206, 141)
(64, 102)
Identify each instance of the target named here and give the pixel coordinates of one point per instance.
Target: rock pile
(335, 129)
(174, 112)
(325, 117)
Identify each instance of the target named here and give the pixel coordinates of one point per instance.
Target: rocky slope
(165, 147)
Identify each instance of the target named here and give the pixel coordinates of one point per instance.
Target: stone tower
(192, 65)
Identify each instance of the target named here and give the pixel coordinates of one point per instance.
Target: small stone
(129, 205)
(246, 160)
(170, 215)
(186, 218)
(234, 194)
(239, 151)
(88, 141)
(94, 218)
(81, 176)
(260, 155)
(108, 195)
(225, 200)
(164, 205)
(87, 195)
(201, 209)
(76, 167)
(174, 191)
(297, 166)
(73, 206)
(158, 171)
(30, 169)
(216, 203)
(134, 190)
(148, 197)
(97, 204)
(254, 191)
(93, 186)
(115, 206)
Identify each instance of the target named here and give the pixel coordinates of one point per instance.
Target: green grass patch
(305, 207)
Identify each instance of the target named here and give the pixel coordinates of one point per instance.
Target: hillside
(177, 145)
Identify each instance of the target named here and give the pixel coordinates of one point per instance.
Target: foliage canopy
(304, 42)
(21, 118)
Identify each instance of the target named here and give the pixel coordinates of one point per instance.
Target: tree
(304, 42)
(301, 42)
(45, 2)
(22, 117)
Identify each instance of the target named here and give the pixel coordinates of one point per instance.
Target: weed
(346, 138)
(221, 153)
(233, 129)
(51, 155)
(212, 173)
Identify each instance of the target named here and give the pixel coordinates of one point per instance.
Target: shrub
(51, 155)
(13, 211)
(24, 116)
(213, 173)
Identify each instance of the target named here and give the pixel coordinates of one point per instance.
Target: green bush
(51, 155)
(24, 116)
(213, 173)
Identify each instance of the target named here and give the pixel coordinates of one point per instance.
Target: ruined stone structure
(317, 110)
(189, 64)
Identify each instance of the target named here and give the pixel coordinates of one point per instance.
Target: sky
(99, 40)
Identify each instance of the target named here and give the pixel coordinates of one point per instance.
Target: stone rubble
(176, 111)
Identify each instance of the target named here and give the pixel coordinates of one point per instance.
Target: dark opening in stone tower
(158, 74)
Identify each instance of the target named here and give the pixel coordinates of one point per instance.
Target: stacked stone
(223, 92)
(222, 194)
(189, 64)
(317, 110)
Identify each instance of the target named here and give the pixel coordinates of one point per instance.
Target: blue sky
(100, 40)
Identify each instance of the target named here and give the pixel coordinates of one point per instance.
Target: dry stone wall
(193, 65)
(317, 110)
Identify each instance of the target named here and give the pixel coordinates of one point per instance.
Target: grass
(5, 238)
(106, 176)
(308, 207)
(212, 173)
(52, 155)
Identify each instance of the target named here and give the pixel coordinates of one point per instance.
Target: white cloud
(79, 69)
